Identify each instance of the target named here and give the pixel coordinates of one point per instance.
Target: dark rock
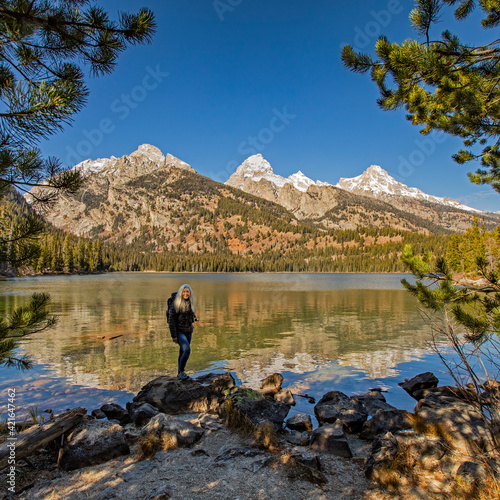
(300, 422)
(114, 411)
(418, 451)
(458, 421)
(384, 421)
(331, 439)
(99, 414)
(448, 390)
(285, 396)
(305, 468)
(173, 396)
(178, 432)
(373, 394)
(272, 384)
(256, 409)
(90, 443)
(373, 404)
(425, 380)
(218, 381)
(335, 405)
(141, 413)
(308, 459)
(299, 438)
(471, 472)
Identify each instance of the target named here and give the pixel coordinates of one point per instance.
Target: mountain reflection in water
(322, 331)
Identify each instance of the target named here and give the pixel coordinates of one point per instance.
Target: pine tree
(23, 321)
(443, 84)
(44, 45)
(68, 254)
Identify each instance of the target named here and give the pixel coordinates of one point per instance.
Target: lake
(323, 332)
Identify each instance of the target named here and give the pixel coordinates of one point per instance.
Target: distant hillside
(155, 212)
(373, 199)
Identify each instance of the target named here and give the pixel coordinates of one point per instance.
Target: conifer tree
(26, 320)
(443, 83)
(44, 46)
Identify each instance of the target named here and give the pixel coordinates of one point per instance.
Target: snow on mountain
(256, 168)
(144, 154)
(93, 166)
(377, 183)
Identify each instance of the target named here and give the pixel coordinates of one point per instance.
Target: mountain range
(374, 182)
(163, 202)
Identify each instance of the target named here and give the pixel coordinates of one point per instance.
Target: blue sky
(224, 79)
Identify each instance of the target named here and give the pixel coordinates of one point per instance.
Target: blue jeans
(184, 340)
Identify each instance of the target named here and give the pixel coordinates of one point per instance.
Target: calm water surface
(323, 332)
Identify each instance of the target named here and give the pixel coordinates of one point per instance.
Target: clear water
(323, 332)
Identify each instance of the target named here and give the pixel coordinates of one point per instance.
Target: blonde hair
(180, 304)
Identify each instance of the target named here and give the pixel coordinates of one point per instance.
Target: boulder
(459, 422)
(218, 381)
(285, 396)
(141, 413)
(448, 390)
(330, 438)
(173, 396)
(372, 402)
(90, 443)
(99, 414)
(173, 430)
(299, 438)
(471, 472)
(114, 411)
(335, 405)
(422, 381)
(272, 384)
(306, 468)
(383, 421)
(300, 422)
(415, 451)
(247, 406)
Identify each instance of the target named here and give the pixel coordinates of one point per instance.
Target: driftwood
(25, 443)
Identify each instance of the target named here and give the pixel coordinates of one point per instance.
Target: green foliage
(444, 84)
(21, 322)
(474, 303)
(43, 46)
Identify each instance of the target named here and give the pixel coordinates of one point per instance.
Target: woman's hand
(175, 340)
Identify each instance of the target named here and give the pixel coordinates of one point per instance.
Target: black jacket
(180, 322)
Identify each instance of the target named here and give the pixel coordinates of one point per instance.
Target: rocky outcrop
(421, 454)
(249, 407)
(449, 438)
(419, 383)
(331, 438)
(92, 442)
(336, 406)
(171, 430)
(173, 396)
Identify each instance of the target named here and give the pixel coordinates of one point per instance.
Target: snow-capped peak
(256, 168)
(144, 152)
(377, 183)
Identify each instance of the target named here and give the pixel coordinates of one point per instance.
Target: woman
(181, 316)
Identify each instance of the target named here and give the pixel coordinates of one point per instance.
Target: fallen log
(24, 444)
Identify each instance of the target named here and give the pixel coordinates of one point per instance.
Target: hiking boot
(182, 376)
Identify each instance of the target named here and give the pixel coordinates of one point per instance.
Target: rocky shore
(209, 438)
